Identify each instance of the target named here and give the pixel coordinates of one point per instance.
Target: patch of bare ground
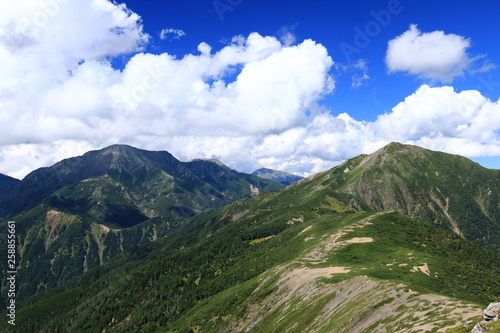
(445, 209)
(55, 221)
(300, 219)
(298, 278)
(424, 268)
(319, 253)
(238, 216)
(104, 228)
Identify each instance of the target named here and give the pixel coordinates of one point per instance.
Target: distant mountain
(284, 178)
(7, 184)
(134, 169)
(330, 253)
(85, 210)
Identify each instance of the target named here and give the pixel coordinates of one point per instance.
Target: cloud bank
(254, 103)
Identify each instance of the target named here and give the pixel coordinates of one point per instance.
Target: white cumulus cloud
(434, 55)
(464, 123)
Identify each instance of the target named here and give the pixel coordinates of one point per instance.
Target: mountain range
(147, 173)
(85, 210)
(402, 240)
(284, 178)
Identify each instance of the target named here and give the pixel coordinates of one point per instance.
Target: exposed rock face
(479, 328)
(492, 313)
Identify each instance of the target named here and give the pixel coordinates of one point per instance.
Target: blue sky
(306, 85)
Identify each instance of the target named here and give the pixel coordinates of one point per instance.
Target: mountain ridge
(444, 189)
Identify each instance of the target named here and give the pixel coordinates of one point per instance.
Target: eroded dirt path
(319, 253)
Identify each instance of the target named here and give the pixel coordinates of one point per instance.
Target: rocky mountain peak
(211, 160)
